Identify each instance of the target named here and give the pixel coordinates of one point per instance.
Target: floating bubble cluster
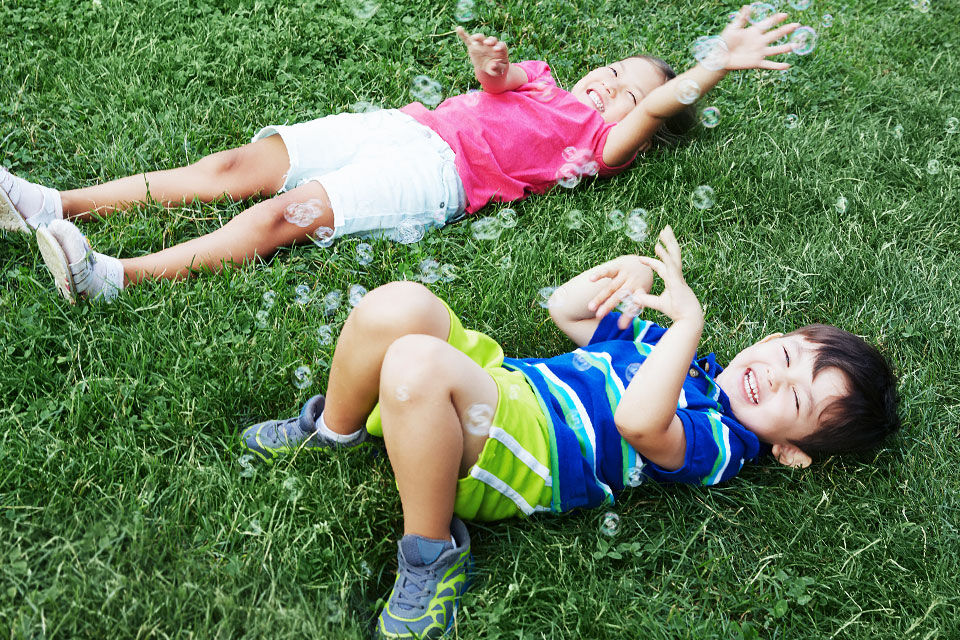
(710, 117)
(448, 272)
(544, 295)
(303, 214)
(464, 11)
(322, 237)
(760, 11)
(409, 232)
(923, 6)
(631, 371)
(614, 220)
(507, 218)
(804, 40)
(247, 469)
(791, 121)
(302, 292)
(686, 91)
(933, 167)
(711, 52)
(702, 197)
(426, 90)
(635, 476)
(331, 302)
(364, 9)
(577, 163)
(636, 225)
(356, 294)
(325, 334)
(840, 205)
(302, 377)
(364, 254)
(486, 229)
(800, 5)
(269, 298)
(610, 524)
(477, 419)
(429, 271)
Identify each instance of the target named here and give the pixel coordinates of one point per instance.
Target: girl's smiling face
(773, 392)
(614, 90)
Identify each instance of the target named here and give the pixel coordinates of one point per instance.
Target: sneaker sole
(10, 218)
(57, 265)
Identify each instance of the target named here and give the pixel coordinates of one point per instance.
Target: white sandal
(56, 260)
(10, 217)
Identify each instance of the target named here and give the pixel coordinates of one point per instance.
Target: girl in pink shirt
(394, 172)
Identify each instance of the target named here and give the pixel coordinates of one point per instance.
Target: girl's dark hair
(860, 420)
(673, 130)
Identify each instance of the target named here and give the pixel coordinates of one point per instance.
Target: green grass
(122, 508)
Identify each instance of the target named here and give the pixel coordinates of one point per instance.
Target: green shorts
(512, 475)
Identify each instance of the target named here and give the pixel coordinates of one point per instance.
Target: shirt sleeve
(717, 448)
(646, 331)
(537, 71)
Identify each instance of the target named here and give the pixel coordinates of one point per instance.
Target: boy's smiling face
(614, 90)
(772, 390)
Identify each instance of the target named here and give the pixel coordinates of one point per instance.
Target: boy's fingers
(658, 267)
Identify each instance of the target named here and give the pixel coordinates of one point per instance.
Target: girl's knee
(221, 164)
(401, 308)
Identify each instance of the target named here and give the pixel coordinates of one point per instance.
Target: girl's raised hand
(488, 54)
(750, 46)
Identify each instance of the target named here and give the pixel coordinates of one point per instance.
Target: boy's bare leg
(429, 447)
(383, 315)
(256, 232)
(255, 168)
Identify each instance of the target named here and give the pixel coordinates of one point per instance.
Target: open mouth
(750, 387)
(596, 99)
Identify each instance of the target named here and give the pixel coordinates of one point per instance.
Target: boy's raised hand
(627, 275)
(750, 46)
(488, 54)
(677, 301)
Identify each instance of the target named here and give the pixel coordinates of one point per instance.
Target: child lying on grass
(381, 172)
(473, 435)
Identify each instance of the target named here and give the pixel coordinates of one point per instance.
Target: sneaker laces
(412, 590)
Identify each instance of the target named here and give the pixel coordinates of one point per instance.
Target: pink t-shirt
(511, 144)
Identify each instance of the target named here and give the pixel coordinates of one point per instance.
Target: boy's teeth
(751, 385)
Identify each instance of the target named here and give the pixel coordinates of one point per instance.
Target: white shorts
(379, 169)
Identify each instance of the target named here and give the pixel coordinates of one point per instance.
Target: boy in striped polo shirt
(474, 435)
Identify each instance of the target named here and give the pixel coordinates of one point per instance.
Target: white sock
(96, 275)
(36, 203)
(333, 435)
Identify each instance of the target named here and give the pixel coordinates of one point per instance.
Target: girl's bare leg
(256, 232)
(255, 168)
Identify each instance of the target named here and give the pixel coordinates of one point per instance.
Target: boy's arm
(747, 48)
(578, 306)
(647, 414)
(491, 63)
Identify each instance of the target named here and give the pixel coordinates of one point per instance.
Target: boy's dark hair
(671, 133)
(860, 420)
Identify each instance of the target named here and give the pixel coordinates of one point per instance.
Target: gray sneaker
(425, 597)
(276, 437)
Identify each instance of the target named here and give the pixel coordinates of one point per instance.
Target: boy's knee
(401, 308)
(413, 368)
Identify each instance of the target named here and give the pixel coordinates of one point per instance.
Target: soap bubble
(589, 168)
(331, 302)
(464, 11)
(486, 229)
(702, 197)
(614, 220)
(636, 225)
(303, 294)
(952, 125)
(923, 6)
(363, 106)
(262, 317)
(635, 476)
(580, 362)
(568, 175)
(247, 470)
(898, 131)
(933, 167)
(303, 214)
(544, 295)
(609, 524)
(631, 371)
(292, 486)
(710, 117)
(364, 9)
(791, 121)
(269, 297)
(448, 273)
(686, 91)
(572, 154)
(254, 528)
(507, 218)
(302, 377)
(426, 90)
(364, 254)
(514, 392)
(322, 237)
(356, 294)
(325, 334)
(827, 20)
(573, 219)
(804, 40)
(711, 52)
(402, 393)
(760, 11)
(477, 419)
(506, 263)
(800, 5)
(409, 231)
(840, 205)
(429, 271)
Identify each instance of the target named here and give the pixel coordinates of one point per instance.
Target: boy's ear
(772, 336)
(791, 456)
